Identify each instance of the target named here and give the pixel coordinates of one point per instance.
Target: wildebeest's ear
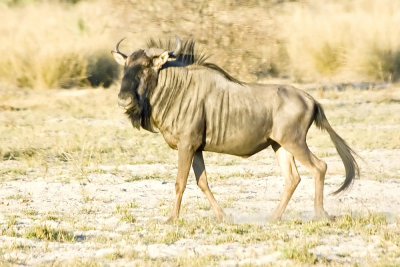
(119, 58)
(160, 60)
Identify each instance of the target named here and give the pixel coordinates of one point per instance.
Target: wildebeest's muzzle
(125, 102)
(127, 96)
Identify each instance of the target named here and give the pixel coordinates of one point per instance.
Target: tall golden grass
(357, 39)
(52, 44)
(55, 44)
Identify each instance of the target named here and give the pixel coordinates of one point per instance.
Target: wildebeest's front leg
(185, 157)
(201, 178)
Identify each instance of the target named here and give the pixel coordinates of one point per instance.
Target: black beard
(135, 115)
(140, 115)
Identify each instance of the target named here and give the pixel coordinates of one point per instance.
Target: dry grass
(343, 39)
(44, 232)
(53, 44)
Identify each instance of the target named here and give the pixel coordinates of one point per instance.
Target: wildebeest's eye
(132, 72)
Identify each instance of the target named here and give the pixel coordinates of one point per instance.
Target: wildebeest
(197, 107)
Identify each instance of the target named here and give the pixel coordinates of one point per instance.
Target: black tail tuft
(345, 152)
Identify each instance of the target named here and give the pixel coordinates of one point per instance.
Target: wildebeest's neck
(182, 88)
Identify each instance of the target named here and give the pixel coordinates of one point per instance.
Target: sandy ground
(92, 204)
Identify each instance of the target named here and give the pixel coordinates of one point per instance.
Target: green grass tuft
(47, 233)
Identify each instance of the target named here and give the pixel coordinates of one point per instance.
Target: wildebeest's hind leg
(185, 156)
(291, 175)
(201, 178)
(317, 167)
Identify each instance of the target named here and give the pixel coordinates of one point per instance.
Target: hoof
(322, 215)
(222, 217)
(225, 219)
(274, 219)
(170, 220)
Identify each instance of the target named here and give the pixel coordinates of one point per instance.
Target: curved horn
(116, 49)
(178, 48)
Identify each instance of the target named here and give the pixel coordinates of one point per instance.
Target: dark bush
(102, 70)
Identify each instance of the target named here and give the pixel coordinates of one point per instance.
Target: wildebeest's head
(140, 76)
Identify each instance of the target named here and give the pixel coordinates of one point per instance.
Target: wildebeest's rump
(198, 107)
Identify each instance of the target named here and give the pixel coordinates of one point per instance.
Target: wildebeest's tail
(345, 152)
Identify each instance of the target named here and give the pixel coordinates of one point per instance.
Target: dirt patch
(89, 210)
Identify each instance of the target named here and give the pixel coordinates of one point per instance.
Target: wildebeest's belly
(245, 149)
(237, 121)
(241, 138)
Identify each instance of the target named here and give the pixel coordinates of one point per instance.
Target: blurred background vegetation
(66, 43)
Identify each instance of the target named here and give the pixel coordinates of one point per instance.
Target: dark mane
(189, 56)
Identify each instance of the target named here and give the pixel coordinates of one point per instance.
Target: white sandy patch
(89, 209)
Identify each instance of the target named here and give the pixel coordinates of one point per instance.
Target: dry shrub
(346, 40)
(55, 45)
(66, 43)
(102, 69)
(303, 40)
(13, 3)
(239, 36)
(382, 63)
